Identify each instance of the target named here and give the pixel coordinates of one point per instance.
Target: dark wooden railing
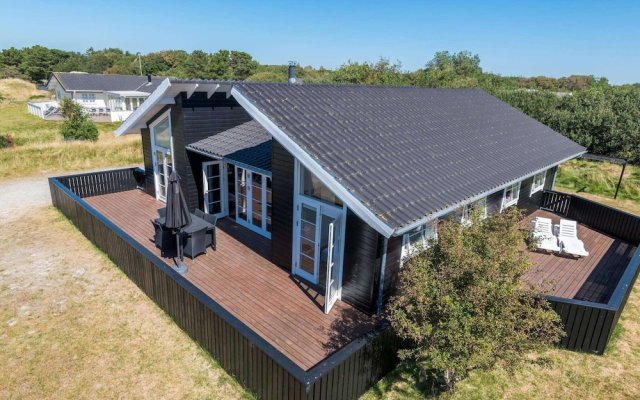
(589, 325)
(244, 354)
(103, 182)
(614, 222)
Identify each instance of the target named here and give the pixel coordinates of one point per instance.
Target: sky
(522, 38)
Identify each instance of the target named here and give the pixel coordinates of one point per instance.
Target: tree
(383, 72)
(220, 64)
(76, 125)
(445, 69)
(242, 65)
(197, 65)
(461, 304)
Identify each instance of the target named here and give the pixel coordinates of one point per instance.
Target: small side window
(510, 196)
(538, 182)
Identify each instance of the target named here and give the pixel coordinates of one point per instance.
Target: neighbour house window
(468, 210)
(419, 239)
(538, 182)
(88, 97)
(313, 187)
(510, 195)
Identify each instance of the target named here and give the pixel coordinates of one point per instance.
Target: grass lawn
(597, 181)
(73, 326)
(41, 150)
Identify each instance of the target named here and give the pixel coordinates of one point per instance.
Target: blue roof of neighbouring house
(247, 144)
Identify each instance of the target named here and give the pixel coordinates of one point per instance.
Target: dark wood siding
(361, 264)
(191, 120)
(149, 186)
(528, 202)
(494, 201)
(392, 267)
(282, 171)
(197, 124)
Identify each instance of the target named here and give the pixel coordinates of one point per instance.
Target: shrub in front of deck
(77, 125)
(460, 304)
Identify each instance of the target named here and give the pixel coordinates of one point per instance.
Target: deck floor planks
(591, 278)
(241, 278)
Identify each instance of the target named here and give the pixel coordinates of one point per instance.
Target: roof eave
(433, 216)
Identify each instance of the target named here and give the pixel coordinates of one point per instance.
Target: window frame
(428, 232)
(88, 97)
(466, 218)
(534, 188)
(514, 200)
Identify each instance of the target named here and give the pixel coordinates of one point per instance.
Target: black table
(196, 224)
(194, 234)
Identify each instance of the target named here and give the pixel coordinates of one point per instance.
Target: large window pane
(313, 187)
(162, 133)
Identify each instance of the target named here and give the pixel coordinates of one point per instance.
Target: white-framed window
(510, 195)
(468, 210)
(538, 182)
(419, 239)
(88, 97)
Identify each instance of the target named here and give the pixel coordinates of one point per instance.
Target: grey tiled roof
(408, 152)
(248, 143)
(108, 83)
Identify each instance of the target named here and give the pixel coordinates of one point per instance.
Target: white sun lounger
(569, 242)
(543, 232)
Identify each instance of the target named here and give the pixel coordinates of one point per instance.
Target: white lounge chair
(569, 242)
(543, 233)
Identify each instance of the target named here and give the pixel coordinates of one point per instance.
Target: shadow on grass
(406, 382)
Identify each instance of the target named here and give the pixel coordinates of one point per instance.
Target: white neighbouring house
(104, 97)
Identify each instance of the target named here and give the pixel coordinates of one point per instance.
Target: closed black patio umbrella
(178, 215)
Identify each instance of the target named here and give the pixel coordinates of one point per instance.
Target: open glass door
(162, 166)
(318, 247)
(332, 285)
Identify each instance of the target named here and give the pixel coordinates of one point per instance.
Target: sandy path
(19, 196)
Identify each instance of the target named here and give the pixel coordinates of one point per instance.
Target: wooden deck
(592, 278)
(241, 278)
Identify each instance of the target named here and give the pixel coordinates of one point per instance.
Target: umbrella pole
(180, 267)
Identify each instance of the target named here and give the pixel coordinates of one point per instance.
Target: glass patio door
(318, 247)
(253, 200)
(214, 188)
(162, 166)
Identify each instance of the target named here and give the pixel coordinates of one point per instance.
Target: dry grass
(73, 326)
(21, 90)
(597, 180)
(40, 149)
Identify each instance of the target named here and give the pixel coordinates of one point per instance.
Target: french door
(162, 167)
(214, 187)
(253, 200)
(318, 251)
(161, 147)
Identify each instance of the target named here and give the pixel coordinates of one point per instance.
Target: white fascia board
(136, 118)
(192, 90)
(431, 217)
(212, 90)
(305, 159)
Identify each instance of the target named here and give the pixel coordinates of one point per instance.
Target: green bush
(82, 130)
(461, 304)
(77, 125)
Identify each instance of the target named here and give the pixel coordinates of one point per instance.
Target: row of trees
(602, 117)
(35, 63)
